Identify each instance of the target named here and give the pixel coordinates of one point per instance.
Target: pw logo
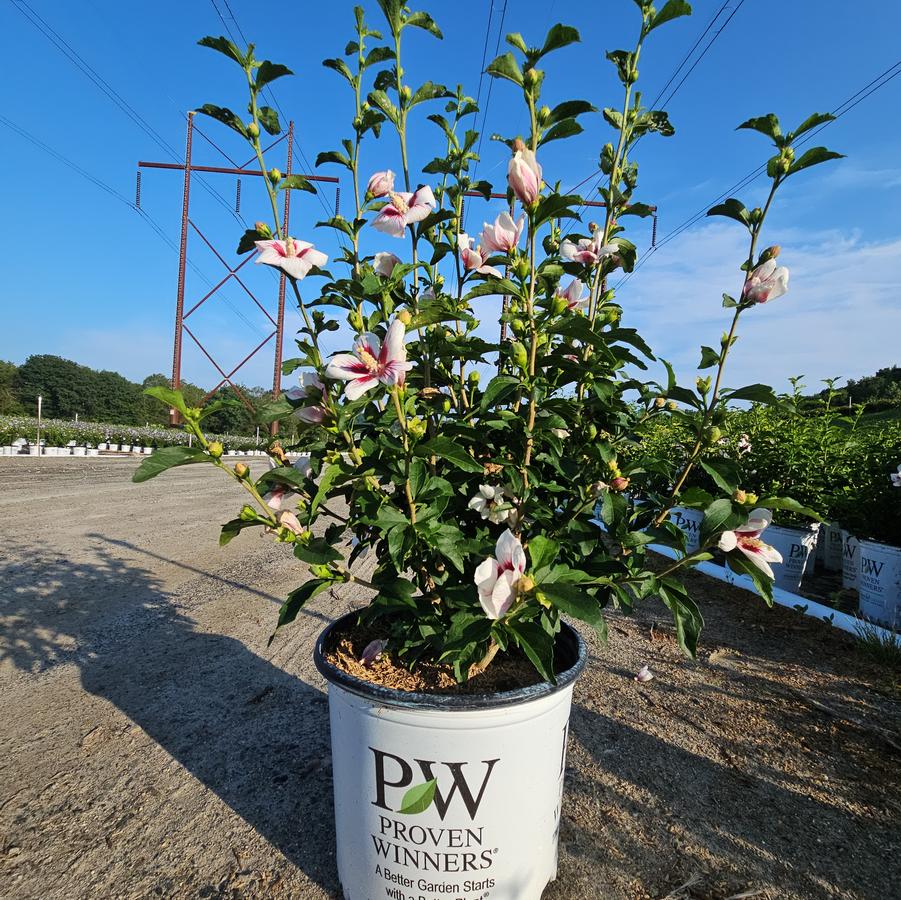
(870, 567)
(394, 772)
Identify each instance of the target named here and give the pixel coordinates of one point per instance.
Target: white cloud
(841, 316)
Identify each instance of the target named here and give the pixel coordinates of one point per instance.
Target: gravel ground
(152, 745)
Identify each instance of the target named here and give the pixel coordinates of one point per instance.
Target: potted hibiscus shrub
(453, 473)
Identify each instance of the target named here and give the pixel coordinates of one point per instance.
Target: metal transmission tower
(188, 224)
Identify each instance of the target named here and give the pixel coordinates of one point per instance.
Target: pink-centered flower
(403, 209)
(767, 282)
(502, 236)
(380, 184)
(310, 388)
(496, 579)
(573, 296)
(372, 362)
(293, 257)
(385, 262)
(747, 539)
(473, 258)
(588, 251)
(524, 176)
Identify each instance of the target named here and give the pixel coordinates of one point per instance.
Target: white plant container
(850, 560)
(79, 451)
(498, 759)
(92, 451)
(798, 548)
(832, 548)
(34, 450)
(689, 522)
(879, 583)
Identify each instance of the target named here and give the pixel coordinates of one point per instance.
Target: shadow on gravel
(253, 734)
(670, 790)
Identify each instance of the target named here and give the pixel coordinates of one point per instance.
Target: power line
(703, 53)
(109, 189)
(842, 109)
(109, 91)
(497, 48)
(485, 52)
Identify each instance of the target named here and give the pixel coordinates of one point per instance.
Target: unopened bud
(446, 405)
(275, 176)
(253, 130)
(751, 499)
(263, 229)
(770, 253)
(619, 483)
(559, 306)
(592, 227)
(474, 377)
(416, 427)
(740, 496)
(521, 268)
(247, 514)
(215, 449)
(544, 114)
(405, 317)
(660, 402)
(591, 432)
(702, 384)
(525, 584)
(531, 76)
(406, 93)
(518, 355)
(598, 488)
(714, 434)
(241, 470)
(518, 145)
(671, 405)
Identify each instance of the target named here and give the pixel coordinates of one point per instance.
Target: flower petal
(355, 389)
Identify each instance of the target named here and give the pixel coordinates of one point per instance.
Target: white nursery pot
(798, 549)
(879, 583)
(499, 761)
(689, 521)
(850, 560)
(832, 548)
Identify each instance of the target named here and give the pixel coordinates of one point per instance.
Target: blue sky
(93, 282)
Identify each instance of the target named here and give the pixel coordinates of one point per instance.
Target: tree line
(68, 388)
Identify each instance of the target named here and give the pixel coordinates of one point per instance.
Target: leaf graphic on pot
(418, 799)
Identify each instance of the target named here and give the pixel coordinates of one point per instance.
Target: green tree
(9, 403)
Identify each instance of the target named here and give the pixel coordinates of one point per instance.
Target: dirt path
(152, 745)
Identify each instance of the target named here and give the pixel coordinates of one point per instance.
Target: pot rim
(568, 639)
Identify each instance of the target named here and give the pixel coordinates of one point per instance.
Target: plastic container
(879, 583)
(832, 551)
(499, 759)
(798, 548)
(850, 560)
(689, 521)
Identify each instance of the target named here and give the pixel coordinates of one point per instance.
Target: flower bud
(544, 114)
(253, 130)
(592, 227)
(714, 434)
(275, 176)
(521, 267)
(702, 384)
(770, 253)
(525, 584)
(598, 488)
(474, 377)
(619, 483)
(530, 76)
(739, 496)
(446, 405)
(406, 93)
(751, 499)
(559, 305)
(215, 449)
(241, 470)
(660, 402)
(247, 514)
(591, 432)
(518, 355)
(405, 317)
(263, 229)
(671, 405)
(356, 320)
(612, 315)
(519, 145)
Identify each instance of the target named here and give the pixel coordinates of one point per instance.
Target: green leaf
(318, 552)
(269, 71)
(789, 505)
(722, 472)
(249, 239)
(418, 799)
(813, 157)
(709, 357)
(506, 66)
(498, 388)
(569, 109)
(383, 102)
(224, 46)
(168, 458)
(756, 393)
(542, 551)
(233, 528)
(297, 599)
(447, 449)
(325, 485)
(224, 115)
(563, 129)
(559, 36)
(171, 398)
(576, 602)
(426, 22)
(493, 287)
(341, 67)
(269, 119)
(741, 565)
(718, 516)
(686, 616)
(670, 10)
(296, 183)
(732, 209)
(537, 645)
(333, 156)
(768, 125)
(812, 122)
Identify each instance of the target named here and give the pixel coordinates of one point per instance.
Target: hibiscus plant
(493, 478)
